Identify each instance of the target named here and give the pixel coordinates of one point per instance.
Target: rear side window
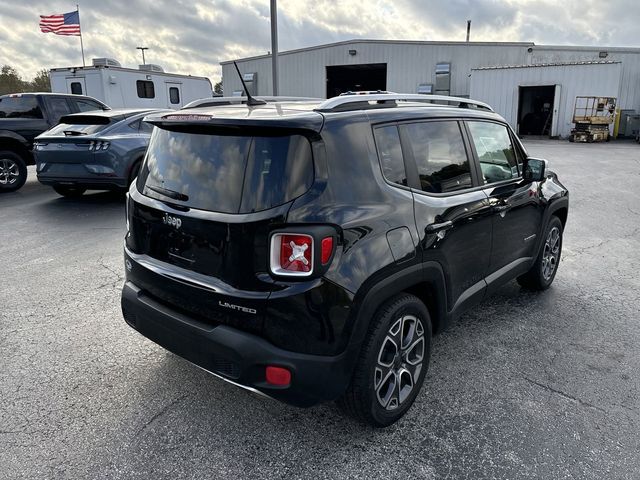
(440, 155)
(58, 107)
(145, 89)
(390, 154)
(495, 152)
(19, 107)
(229, 174)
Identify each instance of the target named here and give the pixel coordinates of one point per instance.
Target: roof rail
(341, 103)
(219, 101)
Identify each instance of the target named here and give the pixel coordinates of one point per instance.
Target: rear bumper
(237, 356)
(92, 183)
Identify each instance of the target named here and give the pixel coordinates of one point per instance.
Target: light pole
(274, 46)
(142, 49)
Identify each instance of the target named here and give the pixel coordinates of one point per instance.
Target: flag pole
(81, 45)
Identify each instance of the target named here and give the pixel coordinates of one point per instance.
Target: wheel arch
(425, 281)
(14, 144)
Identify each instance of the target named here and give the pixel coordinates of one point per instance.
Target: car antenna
(252, 102)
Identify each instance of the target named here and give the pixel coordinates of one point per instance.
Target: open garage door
(346, 78)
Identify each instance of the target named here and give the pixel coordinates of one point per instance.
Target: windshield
(224, 173)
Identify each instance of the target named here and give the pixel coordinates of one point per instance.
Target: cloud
(194, 36)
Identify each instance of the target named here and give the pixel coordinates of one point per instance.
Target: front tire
(543, 271)
(70, 192)
(392, 364)
(13, 171)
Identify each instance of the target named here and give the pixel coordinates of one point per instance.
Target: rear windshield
(77, 129)
(19, 107)
(224, 173)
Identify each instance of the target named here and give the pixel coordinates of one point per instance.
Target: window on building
(390, 154)
(495, 152)
(440, 155)
(145, 89)
(174, 95)
(76, 88)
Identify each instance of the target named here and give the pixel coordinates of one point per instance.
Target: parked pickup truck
(23, 116)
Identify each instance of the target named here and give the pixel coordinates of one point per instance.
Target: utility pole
(142, 49)
(274, 46)
(468, 29)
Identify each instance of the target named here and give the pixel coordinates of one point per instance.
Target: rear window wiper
(169, 193)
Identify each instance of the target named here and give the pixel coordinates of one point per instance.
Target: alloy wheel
(551, 253)
(9, 171)
(399, 362)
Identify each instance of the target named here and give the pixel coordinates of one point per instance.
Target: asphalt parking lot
(526, 385)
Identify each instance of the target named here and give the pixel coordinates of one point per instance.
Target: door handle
(438, 227)
(500, 208)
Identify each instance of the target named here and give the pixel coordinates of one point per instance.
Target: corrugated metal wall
(303, 73)
(500, 87)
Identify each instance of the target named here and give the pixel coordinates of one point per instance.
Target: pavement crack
(565, 395)
(160, 413)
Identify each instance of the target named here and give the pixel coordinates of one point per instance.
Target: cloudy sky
(194, 36)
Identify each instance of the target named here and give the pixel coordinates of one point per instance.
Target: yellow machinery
(592, 117)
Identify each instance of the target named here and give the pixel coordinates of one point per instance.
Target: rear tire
(70, 192)
(393, 363)
(13, 171)
(135, 170)
(543, 271)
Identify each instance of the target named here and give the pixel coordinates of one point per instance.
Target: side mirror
(535, 169)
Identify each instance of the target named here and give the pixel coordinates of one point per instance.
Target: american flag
(62, 24)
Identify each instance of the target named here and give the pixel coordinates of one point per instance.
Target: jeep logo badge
(173, 221)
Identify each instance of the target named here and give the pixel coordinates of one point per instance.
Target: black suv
(24, 116)
(308, 251)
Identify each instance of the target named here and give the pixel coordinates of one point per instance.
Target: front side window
(390, 154)
(87, 106)
(440, 155)
(19, 107)
(145, 89)
(495, 152)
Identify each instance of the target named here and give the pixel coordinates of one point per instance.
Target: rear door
(202, 211)
(515, 204)
(174, 95)
(451, 210)
(76, 85)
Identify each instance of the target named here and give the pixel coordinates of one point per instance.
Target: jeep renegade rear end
(308, 251)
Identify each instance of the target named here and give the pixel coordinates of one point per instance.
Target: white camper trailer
(119, 87)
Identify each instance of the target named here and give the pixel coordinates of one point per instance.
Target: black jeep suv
(308, 251)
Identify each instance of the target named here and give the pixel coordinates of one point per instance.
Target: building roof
(441, 43)
(387, 42)
(558, 64)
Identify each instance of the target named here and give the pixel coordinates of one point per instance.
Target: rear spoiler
(184, 121)
(77, 119)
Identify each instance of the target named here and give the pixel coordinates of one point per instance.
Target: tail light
(300, 254)
(98, 145)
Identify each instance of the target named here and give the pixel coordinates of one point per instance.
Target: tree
(40, 82)
(217, 88)
(10, 81)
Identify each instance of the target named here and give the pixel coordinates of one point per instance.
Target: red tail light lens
(326, 249)
(292, 254)
(278, 376)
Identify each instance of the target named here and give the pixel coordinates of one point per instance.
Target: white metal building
(559, 73)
